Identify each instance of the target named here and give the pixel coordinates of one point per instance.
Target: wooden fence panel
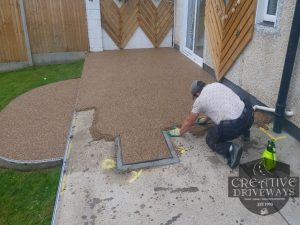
(229, 29)
(56, 25)
(12, 43)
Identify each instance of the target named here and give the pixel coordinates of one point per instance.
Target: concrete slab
(193, 191)
(57, 57)
(12, 66)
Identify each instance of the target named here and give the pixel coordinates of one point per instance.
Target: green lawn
(27, 198)
(15, 83)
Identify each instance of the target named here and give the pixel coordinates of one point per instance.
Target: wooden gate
(121, 23)
(230, 28)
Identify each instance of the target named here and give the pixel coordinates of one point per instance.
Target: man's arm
(188, 122)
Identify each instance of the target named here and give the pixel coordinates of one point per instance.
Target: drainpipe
(287, 70)
(263, 108)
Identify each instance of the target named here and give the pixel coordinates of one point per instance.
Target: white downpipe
(174, 24)
(263, 108)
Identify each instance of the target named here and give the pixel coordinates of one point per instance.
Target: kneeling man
(232, 114)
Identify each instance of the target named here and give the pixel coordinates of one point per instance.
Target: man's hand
(201, 121)
(174, 133)
(188, 122)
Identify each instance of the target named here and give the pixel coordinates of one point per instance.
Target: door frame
(185, 50)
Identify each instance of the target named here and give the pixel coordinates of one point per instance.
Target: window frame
(267, 17)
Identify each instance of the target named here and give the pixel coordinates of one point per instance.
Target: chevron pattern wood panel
(129, 21)
(121, 23)
(111, 20)
(156, 22)
(230, 28)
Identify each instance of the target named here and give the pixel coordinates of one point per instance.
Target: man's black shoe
(235, 155)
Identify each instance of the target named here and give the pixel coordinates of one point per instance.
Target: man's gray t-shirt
(219, 103)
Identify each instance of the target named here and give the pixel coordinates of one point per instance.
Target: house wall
(94, 25)
(138, 40)
(258, 70)
(179, 23)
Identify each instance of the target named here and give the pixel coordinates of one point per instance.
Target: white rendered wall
(138, 40)
(94, 25)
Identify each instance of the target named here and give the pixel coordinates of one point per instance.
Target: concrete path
(35, 125)
(193, 191)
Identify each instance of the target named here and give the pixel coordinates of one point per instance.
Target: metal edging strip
(62, 173)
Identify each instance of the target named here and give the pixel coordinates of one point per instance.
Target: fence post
(24, 25)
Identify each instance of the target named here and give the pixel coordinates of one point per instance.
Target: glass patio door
(194, 37)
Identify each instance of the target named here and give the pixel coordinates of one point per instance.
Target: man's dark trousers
(218, 137)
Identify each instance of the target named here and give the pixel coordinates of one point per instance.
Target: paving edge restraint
(122, 167)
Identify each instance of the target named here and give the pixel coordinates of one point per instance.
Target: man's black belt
(241, 117)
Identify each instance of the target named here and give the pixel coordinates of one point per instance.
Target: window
(266, 12)
(271, 10)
